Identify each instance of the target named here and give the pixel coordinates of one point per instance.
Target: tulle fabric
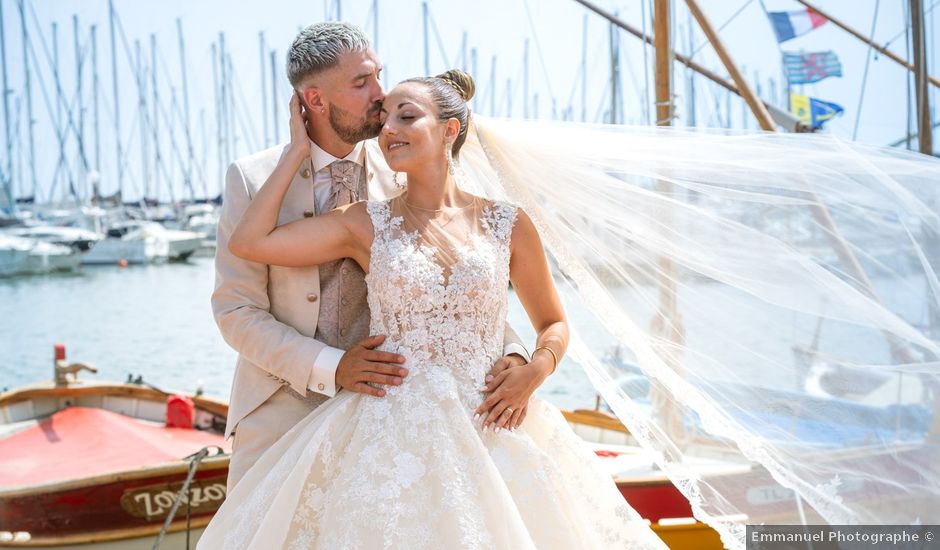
(769, 300)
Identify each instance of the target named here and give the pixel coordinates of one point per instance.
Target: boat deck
(80, 442)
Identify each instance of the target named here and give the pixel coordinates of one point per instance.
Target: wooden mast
(782, 117)
(921, 92)
(753, 102)
(877, 47)
(667, 325)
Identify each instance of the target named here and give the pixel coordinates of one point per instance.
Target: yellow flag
(800, 107)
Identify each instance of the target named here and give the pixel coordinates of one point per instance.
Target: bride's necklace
(457, 210)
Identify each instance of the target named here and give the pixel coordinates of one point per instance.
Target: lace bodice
(448, 317)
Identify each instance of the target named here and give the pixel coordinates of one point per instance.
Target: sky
(496, 29)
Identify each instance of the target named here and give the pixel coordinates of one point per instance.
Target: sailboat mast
(375, 24)
(264, 90)
(525, 79)
(157, 157)
(584, 76)
(427, 57)
(473, 71)
(614, 45)
(28, 90)
(80, 105)
(8, 176)
(95, 83)
(117, 104)
(142, 109)
(188, 177)
(922, 94)
(493, 87)
(277, 131)
(218, 113)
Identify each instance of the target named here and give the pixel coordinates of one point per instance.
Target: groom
(302, 333)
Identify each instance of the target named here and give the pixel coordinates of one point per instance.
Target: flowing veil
(767, 300)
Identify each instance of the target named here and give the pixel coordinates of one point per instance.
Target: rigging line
(538, 48)
(861, 97)
(178, 110)
(60, 93)
(908, 26)
(721, 28)
(59, 132)
(245, 111)
(440, 43)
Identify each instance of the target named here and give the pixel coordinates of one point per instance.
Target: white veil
(773, 300)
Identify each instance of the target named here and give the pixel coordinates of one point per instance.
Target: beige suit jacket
(268, 313)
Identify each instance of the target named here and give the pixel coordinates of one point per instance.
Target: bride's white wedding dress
(413, 469)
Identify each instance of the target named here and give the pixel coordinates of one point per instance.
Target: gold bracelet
(554, 356)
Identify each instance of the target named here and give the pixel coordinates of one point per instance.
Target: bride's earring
(451, 164)
(399, 181)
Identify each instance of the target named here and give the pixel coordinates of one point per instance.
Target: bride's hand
(509, 394)
(299, 140)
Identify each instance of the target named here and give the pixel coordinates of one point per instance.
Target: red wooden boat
(644, 486)
(100, 465)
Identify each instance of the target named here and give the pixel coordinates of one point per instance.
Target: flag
(813, 111)
(790, 24)
(806, 68)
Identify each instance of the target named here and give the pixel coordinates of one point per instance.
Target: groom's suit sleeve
(513, 344)
(241, 306)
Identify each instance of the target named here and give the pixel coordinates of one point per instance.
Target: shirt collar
(321, 159)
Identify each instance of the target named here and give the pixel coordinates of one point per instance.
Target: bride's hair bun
(461, 81)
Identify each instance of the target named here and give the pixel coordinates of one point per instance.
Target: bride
(439, 460)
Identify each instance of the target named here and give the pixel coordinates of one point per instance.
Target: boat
(23, 256)
(101, 465)
(133, 245)
(648, 490)
(73, 237)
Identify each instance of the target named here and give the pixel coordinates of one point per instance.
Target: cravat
(345, 184)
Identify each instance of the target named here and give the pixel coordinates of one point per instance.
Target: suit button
(308, 213)
(312, 297)
(305, 173)
(344, 301)
(321, 387)
(342, 332)
(344, 271)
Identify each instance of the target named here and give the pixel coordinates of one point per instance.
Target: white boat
(22, 256)
(76, 238)
(131, 243)
(182, 244)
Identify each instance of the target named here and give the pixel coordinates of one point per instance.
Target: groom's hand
(362, 365)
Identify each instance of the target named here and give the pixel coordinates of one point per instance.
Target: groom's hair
(318, 47)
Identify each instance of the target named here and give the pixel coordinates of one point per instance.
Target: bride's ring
(509, 409)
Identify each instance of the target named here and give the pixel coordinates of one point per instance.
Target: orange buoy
(122, 263)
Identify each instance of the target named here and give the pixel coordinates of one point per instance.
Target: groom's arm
(241, 307)
(512, 344)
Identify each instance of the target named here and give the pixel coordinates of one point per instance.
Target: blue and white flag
(813, 111)
(806, 68)
(790, 24)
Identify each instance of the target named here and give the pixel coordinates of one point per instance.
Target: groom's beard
(353, 130)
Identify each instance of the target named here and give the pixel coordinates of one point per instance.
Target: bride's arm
(532, 280)
(309, 241)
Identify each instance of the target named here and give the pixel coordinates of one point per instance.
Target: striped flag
(790, 24)
(806, 68)
(813, 111)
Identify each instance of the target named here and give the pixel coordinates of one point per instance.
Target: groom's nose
(378, 94)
